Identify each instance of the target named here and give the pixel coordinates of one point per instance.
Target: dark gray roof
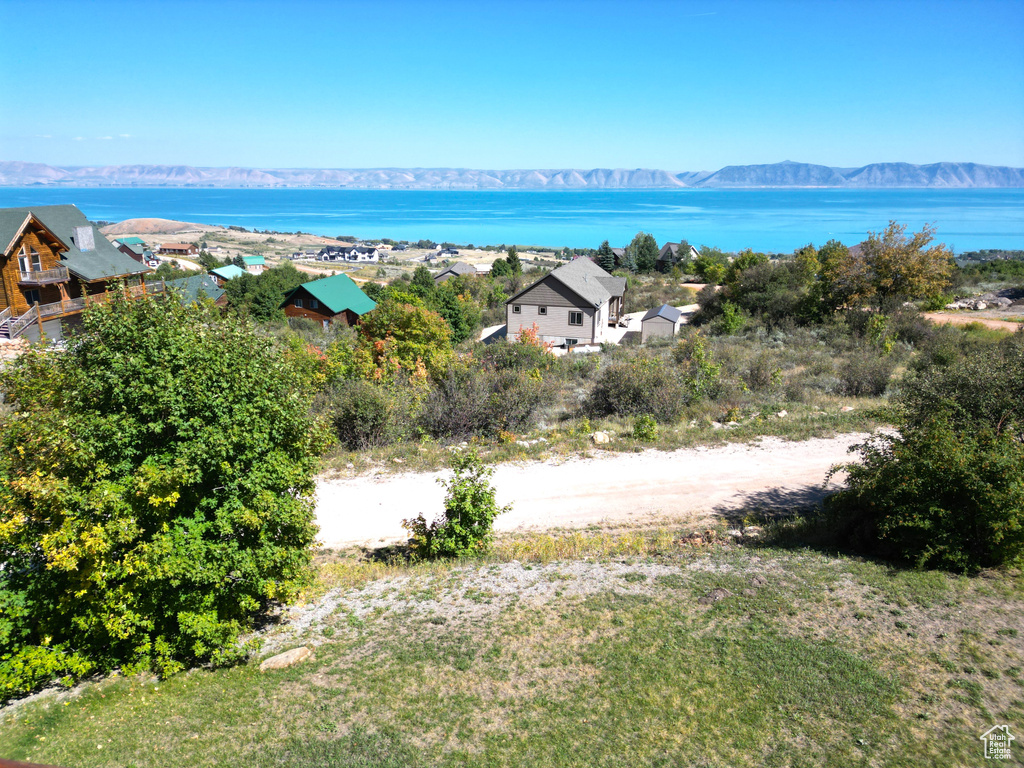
(587, 280)
(664, 311)
(103, 261)
(188, 288)
(458, 268)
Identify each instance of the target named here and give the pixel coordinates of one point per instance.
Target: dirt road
(575, 493)
(940, 318)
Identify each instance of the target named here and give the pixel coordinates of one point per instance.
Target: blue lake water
(776, 220)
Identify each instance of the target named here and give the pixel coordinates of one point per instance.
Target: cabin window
(32, 297)
(542, 310)
(314, 304)
(37, 263)
(23, 261)
(575, 318)
(571, 342)
(516, 309)
(298, 303)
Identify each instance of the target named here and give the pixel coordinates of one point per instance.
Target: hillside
(784, 174)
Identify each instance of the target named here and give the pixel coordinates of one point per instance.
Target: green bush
(641, 385)
(645, 428)
(938, 496)
(156, 491)
(367, 415)
(866, 373)
(474, 401)
(465, 530)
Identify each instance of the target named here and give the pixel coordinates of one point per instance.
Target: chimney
(84, 239)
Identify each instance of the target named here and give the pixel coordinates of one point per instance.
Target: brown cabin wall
(13, 295)
(347, 316)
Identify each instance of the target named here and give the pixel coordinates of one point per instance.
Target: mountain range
(785, 174)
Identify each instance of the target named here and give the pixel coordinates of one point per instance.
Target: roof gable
(584, 278)
(665, 312)
(229, 272)
(102, 261)
(337, 293)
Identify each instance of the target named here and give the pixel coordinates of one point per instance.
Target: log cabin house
(328, 300)
(53, 262)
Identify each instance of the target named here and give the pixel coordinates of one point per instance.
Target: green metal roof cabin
(327, 300)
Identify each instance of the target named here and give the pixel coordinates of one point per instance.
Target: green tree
(208, 261)
(500, 268)
(605, 257)
(903, 267)
(422, 283)
(156, 491)
(514, 264)
(239, 262)
(644, 251)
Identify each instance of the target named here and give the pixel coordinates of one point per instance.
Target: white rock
(601, 437)
(782, 414)
(286, 659)
(846, 408)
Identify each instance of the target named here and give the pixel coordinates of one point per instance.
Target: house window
(575, 318)
(314, 304)
(37, 263)
(23, 262)
(542, 310)
(32, 297)
(516, 309)
(298, 303)
(571, 342)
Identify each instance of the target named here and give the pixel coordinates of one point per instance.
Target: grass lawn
(584, 649)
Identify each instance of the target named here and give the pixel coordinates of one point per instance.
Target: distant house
(135, 247)
(620, 256)
(328, 300)
(230, 272)
(254, 264)
(401, 247)
(348, 253)
(178, 249)
(54, 258)
(574, 304)
(659, 322)
(190, 289)
(670, 255)
(454, 270)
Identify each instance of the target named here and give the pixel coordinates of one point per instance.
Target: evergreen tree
(605, 257)
(514, 263)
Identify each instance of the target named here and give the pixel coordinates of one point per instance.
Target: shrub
(645, 428)
(938, 496)
(474, 401)
(866, 373)
(366, 415)
(731, 320)
(641, 385)
(156, 491)
(465, 530)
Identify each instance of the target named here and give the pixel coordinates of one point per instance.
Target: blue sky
(673, 85)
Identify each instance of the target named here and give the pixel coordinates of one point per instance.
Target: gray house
(672, 253)
(574, 304)
(454, 270)
(661, 321)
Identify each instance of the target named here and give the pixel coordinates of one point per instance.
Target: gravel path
(576, 493)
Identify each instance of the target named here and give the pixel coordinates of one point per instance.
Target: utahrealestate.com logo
(997, 742)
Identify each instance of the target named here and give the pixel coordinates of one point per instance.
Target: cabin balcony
(44, 276)
(12, 326)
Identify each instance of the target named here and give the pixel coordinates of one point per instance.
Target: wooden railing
(40, 276)
(13, 326)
